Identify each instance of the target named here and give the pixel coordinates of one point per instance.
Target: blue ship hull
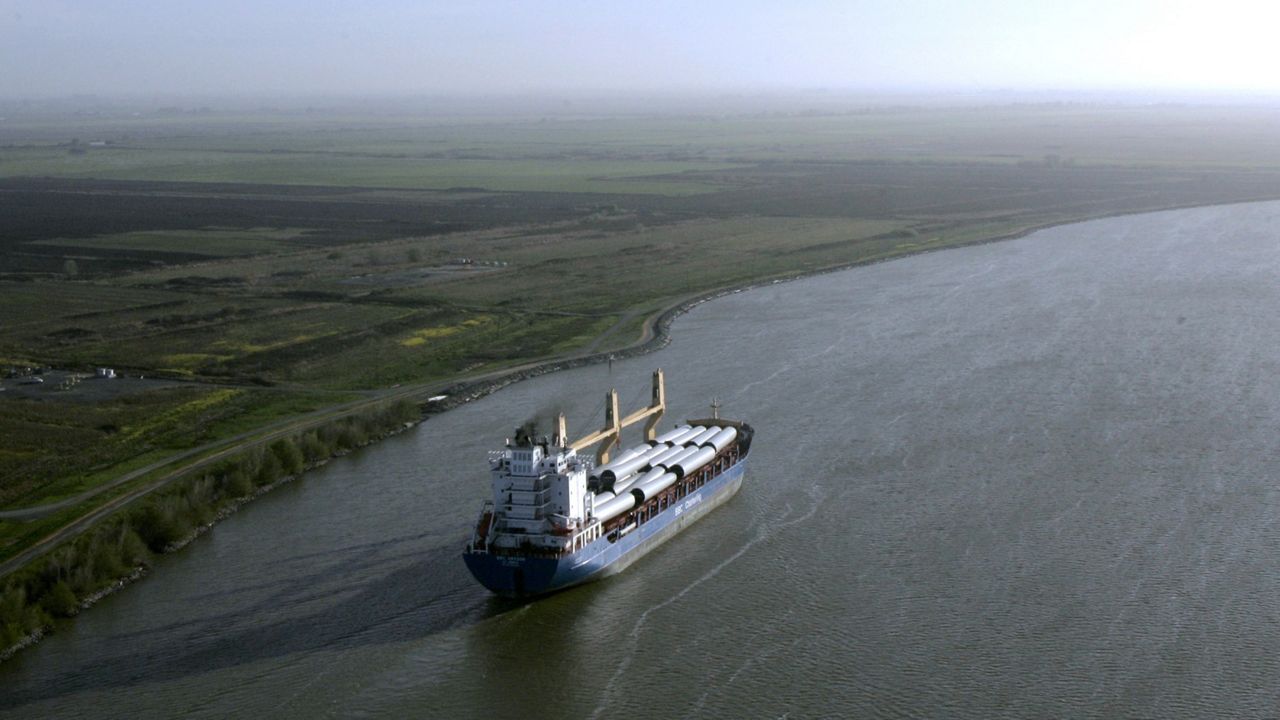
(523, 576)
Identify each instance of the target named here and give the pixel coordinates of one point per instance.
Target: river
(1030, 478)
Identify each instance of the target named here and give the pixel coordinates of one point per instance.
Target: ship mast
(611, 435)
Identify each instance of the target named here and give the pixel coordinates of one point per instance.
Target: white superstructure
(540, 497)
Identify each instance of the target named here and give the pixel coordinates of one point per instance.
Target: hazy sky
(55, 47)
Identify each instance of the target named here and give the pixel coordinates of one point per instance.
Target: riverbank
(140, 571)
(119, 549)
(656, 327)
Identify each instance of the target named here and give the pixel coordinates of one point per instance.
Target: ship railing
(587, 533)
(484, 527)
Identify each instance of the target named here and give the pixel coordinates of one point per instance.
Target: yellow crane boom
(611, 435)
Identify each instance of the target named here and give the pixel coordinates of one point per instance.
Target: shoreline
(140, 571)
(655, 335)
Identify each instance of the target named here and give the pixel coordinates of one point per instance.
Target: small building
(106, 373)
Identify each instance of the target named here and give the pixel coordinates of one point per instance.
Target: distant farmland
(279, 264)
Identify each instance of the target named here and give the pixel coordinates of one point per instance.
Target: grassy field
(827, 131)
(508, 174)
(276, 263)
(208, 241)
(54, 449)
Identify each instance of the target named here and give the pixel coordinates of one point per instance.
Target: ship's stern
(512, 576)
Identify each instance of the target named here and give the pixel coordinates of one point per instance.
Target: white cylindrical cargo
(633, 464)
(660, 458)
(622, 457)
(692, 463)
(668, 436)
(613, 508)
(684, 454)
(621, 485)
(642, 492)
(687, 435)
(628, 471)
(635, 480)
(702, 437)
(656, 451)
(724, 437)
(652, 455)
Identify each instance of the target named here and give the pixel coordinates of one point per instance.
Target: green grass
(586, 273)
(1115, 135)
(570, 175)
(51, 447)
(50, 453)
(198, 331)
(28, 306)
(213, 242)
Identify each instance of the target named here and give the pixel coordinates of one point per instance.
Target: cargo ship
(558, 518)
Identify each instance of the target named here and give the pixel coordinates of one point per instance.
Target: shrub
(18, 618)
(291, 460)
(269, 470)
(157, 526)
(132, 550)
(107, 561)
(348, 436)
(313, 448)
(60, 601)
(237, 484)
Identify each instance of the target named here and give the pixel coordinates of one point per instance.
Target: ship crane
(610, 436)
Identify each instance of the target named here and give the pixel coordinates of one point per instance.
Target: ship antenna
(715, 408)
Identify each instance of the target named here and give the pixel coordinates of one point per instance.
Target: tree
(70, 268)
(60, 601)
(291, 460)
